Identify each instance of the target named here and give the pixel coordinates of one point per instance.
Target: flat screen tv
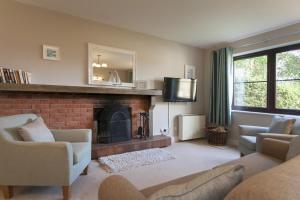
(179, 90)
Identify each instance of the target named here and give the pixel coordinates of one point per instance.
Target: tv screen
(179, 90)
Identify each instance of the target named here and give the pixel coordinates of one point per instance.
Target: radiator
(191, 127)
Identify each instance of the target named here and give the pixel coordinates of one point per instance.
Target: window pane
(287, 83)
(288, 65)
(288, 95)
(250, 82)
(250, 94)
(251, 69)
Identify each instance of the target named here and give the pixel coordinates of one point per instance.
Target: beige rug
(191, 157)
(131, 160)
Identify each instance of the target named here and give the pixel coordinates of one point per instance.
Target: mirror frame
(92, 47)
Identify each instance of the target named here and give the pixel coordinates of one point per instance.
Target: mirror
(111, 66)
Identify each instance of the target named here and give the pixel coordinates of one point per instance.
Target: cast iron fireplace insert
(113, 123)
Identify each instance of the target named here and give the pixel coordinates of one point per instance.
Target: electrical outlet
(164, 131)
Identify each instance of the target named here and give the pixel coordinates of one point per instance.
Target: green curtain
(221, 87)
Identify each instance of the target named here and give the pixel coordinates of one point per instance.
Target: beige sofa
(56, 163)
(260, 169)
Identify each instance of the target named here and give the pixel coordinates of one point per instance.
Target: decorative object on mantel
(51, 52)
(110, 66)
(189, 71)
(217, 135)
(14, 76)
(141, 84)
(131, 160)
(114, 78)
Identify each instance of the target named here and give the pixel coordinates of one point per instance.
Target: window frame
(271, 81)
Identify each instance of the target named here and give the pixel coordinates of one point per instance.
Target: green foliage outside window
(250, 81)
(287, 88)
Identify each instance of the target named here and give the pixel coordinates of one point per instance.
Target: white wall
(24, 29)
(272, 39)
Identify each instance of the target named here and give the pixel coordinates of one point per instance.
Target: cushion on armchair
(36, 131)
(282, 125)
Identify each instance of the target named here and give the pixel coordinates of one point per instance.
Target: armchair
(251, 137)
(41, 163)
(247, 138)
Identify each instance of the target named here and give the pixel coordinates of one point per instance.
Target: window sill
(260, 113)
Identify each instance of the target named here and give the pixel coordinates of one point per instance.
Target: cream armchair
(41, 163)
(251, 137)
(247, 139)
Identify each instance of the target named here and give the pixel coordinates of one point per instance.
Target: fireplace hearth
(113, 124)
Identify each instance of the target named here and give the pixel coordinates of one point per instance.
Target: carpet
(130, 160)
(191, 157)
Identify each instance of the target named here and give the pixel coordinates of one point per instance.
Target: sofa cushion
(282, 125)
(36, 131)
(80, 149)
(248, 141)
(212, 185)
(255, 163)
(279, 183)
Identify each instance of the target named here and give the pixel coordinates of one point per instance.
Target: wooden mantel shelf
(76, 89)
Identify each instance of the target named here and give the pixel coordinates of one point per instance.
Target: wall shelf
(76, 89)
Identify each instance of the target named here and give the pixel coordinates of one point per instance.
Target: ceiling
(201, 23)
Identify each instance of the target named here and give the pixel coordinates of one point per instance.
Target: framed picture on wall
(189, 71)
(141, 84)
(51, 52)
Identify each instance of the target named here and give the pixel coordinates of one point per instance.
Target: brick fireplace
(65, 111)
(67, 107)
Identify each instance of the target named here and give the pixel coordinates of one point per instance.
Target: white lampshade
(96, 65)
(104, 65)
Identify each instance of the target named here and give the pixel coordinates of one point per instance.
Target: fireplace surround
(67, 111)
(67, 107)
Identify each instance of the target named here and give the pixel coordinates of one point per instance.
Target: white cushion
(36, 131)
(282, 125)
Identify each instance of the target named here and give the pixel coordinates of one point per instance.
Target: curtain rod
(270, 39)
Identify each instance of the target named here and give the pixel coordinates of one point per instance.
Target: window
(250, 82)
(268, 81)
(288, 80)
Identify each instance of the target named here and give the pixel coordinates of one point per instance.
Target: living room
(149, 100)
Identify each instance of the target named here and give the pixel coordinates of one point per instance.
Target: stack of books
(14, 76)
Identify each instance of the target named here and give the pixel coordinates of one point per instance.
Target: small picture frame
(51, 52)
(141, 84)
(189, 71)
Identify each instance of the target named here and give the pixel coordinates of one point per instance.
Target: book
(21, 77)
(12, 75)
(24, 77)
(15, 76)
(29, 77)
(7, 76)
(2, 75)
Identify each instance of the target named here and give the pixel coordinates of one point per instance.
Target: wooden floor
(158, 141)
